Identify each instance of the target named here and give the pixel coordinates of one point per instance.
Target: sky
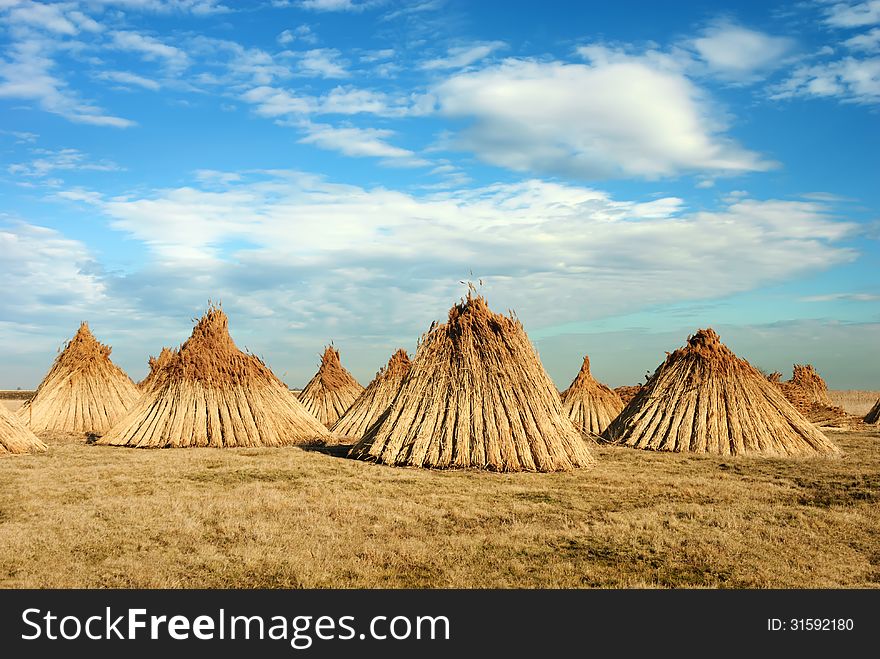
(617, 174)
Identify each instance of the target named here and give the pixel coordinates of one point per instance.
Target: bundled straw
(705, 399)
(627, 392)
(805, 378)
(84, 392)
(215, 395)
(590, 404)
(375, 399)
(476, 396)
(873, 416)
(158, 372)
(331, 392)
(808, 393)
(15, 437)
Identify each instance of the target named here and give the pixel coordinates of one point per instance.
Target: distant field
(854, 401)
(88, 516)
(15, 394)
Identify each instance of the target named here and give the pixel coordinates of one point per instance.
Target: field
(89, 516)
(854, 401)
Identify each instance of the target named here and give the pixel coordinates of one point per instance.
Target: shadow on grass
(333, 450)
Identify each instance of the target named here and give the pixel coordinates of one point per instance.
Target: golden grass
(92, 516)
(855, 402)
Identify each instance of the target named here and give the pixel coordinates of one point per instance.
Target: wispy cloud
(540, 244)
(150, 48)
(848, 79)
(848, 297)
(852, 14)
(737, 53)
(49, 161)
(462, 56)
(27, 74)
(48, 17)
(866, 42)
(322, 63)
(279, 102)
(360, 142)
(333, 5)
(194, 7)
(414, 7)
(274, 102)
(378, 55)
(127, 78)
(302, 33)
(52, 273)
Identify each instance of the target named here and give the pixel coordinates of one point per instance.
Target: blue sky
(619, 174)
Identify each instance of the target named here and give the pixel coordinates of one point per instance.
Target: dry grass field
(90, 516)
(854, 401)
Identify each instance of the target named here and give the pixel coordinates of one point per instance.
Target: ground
(89, 516)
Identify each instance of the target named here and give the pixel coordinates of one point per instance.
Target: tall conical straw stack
(158, 370)
(375, 399)
(590, 405)
(15, 437)
(873, 416)
(83, 392)
(332, 390)
(476, 396)
(213, 394)
(704, 399)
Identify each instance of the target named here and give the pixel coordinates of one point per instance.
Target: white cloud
(360, 142)
(278, 102)
(273, 102)
(195, 7)
(301, 33)
(322, 63)
(51, 273)
(47, 17)
(868, 42)
(849, 80)
(83, 22)
(296, 238)
(378, 55)
(850, 297)
(462, 56)
(337, 5)
(27, 75)
(62, 159)
(853, 14)
(738, 53)
(21, 136)
(150, 48)
(412, 8)
(127, 78)
(620, 116)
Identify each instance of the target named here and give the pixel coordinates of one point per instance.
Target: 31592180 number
(820, 624)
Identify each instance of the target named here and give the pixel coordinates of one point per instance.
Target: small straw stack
(213, 394)
(375, 399)
(873, 415)
(590, 405)
(15, 437)
(84, 392)
(332, 390)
